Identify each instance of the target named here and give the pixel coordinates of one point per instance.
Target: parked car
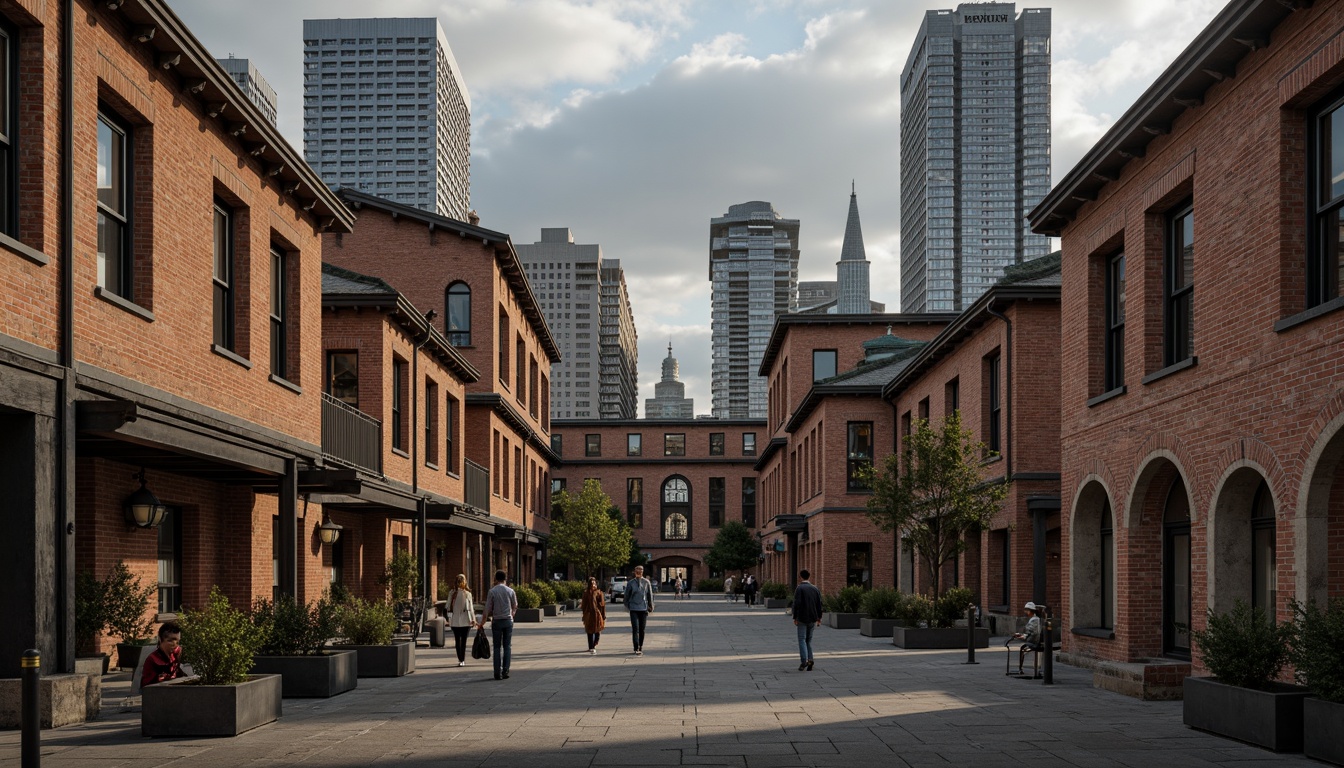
(617, 589)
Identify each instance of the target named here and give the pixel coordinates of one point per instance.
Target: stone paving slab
(718, 686)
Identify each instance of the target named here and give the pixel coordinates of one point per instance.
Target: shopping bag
(481, 648)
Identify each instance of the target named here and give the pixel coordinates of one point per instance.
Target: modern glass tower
(385, 111)
(753, 266)
(975, 151)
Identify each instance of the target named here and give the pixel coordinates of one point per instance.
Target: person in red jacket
(165, 663)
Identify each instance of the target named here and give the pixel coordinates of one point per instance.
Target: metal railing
(477, 482)
(351, 436)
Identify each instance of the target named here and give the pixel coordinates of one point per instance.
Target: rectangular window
(223, 276)
(1180, 286)
(398, 383)
(343, 376)
(1115, 322)
(9, 166)
(993, 438)
(674, 444)
(749, 502)
(279, 314)
(338, 562)
(518, 475)
(634, 501)
(504, 338)
(1325, 269)
(860, 455)
(924, 409)
(520, 359)
(718, 492)
(823, 364)
(170, 561)
(592, 445)
(634, 444)
(114, 207)
(558, 444)
(715, 443)
(748, 443)
(431, 423)
(952, 397)
(450, 435)
(495, 471)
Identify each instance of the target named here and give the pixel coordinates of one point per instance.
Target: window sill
(850, 492)
(14, 246)
(1189, 362)
(996, 457)
(287, 384)
(126, 304)
(454, 475)
(401, 453)
(432, 465)
(1101, 633)
(229, 354)
(160, 618)
(1104, 396)
(1320, 310)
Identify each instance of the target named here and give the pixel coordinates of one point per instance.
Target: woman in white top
(461, 616)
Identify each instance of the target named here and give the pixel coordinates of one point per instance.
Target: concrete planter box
(938, 637)
(1271, 718)
(186, 708)
(842, 620)
(1323, 723)
(775, 603)
(571, 605)
(527, 616)
(320, 676)
(877, 627)
(554, 609)
(393, 660)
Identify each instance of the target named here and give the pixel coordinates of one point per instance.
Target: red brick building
(1202, 391)
(998, 364)
(676, 480)
(161, 254)
(470, 277)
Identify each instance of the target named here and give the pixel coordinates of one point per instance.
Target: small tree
(402, 575)
(734, 549)
(931, 493)
(127, 604)
(220, 641)
(585, 534)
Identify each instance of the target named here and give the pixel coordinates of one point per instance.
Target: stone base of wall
(1151, 680)
(65, 699)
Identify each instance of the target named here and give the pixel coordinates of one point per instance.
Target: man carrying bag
(480, 649)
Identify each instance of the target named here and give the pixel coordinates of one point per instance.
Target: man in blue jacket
(806, 617)
(639, 601)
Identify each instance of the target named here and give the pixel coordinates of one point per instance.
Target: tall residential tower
(257, 90)
(753, 265)
(975, 151)
(385, 111)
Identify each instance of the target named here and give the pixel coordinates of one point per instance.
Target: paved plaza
(718, 685)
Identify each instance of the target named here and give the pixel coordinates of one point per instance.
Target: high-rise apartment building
(385, 111)
(669, 399)
(753, 267)
(975, 151)
(587, 307)
(253, 85)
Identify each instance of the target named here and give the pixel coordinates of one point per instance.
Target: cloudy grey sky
(633, 122)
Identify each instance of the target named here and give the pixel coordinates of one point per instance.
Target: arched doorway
(675, 517)
(1242, 540)
(1093, 560)
(665, 569)
(1319, 525)
(1176, 603)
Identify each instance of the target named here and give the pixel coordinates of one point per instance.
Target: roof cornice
(782, 323)
(508, 413)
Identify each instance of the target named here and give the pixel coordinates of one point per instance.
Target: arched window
(676, 509)
(1176, 605)
(675, 491)
(676, 528)
(1107, 560)
(1263, 558)
(459, 314)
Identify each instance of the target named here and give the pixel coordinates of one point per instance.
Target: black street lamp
(329, 532)
(143, 508)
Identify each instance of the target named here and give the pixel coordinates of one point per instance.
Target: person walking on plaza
(639, 601)
(749, 588)
(680, 586)
(461, 617)
(501, 603)
(727, 588)
(806, 617)
(594, 614)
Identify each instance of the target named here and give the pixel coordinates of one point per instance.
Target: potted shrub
(1318, 661)
(296, 634)
(576, 589)
(546, 593)
(127, 603)
(223, 699)
(90, 618)
(367, 628)
(884, 608)
(529, 604)
(775, 594)
(1245, 650)
(843, 610)
(932, 623)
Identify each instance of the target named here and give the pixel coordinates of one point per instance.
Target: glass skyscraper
(975, 151)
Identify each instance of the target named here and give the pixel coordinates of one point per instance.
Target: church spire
(852, 268)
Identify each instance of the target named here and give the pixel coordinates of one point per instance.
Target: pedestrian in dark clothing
(165, 663)
(501, 603)
(806, 617)
(594, 614)
(639, 601)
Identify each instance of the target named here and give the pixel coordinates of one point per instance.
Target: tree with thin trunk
(734, 549)
(932, 495)
(585, 534)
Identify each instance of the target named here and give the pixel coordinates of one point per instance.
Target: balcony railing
(477, 483)
(351, 436)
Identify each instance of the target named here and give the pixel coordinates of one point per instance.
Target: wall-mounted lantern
(143, 508)
(329, 532)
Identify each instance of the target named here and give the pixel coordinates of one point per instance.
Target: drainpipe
(64, 545)
(421, 511)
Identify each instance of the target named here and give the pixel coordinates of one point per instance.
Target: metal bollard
(1049, 664)
(30, 717)
(970, 635)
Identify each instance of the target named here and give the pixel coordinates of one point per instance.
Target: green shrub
(709, 585)
(847, 600)
(561, 590)
(367, 623)
(544, 592)
(402, 575)
(921, 610)
(576, 589)
(1243, 647)
(127, 602)
(294, 629)
(443, 589)
(340, 594)
(951, 607)
(527, 597)
(884, 603)
(773, 590)
(90, 610)
(219, 641)
(1318, 648)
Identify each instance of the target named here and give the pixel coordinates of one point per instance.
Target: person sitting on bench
(1031, 636)
(165, 663)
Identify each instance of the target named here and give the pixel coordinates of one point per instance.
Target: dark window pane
(459, 314)
(823, 364)
(716, 444)
(343, 377)
(1332, 149)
